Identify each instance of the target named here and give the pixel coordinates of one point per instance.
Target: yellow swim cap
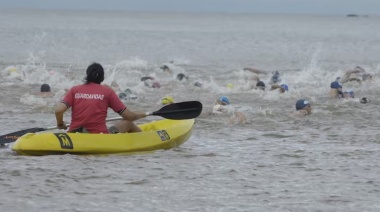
(12, 70)
(230, 85)
(167, 100)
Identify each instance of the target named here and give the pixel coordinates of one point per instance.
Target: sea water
(327, 161)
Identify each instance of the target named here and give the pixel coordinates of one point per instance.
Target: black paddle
(12, 137)
(176, 111)
(180, 110)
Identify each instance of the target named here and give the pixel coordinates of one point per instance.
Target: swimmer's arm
(346, 76)
(254, 70)
(340, 93)
(354, 79)
(360, 69)
(255, 78)
(274, 87)
(354, 71)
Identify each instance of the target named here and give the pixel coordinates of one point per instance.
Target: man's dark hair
(95, 73)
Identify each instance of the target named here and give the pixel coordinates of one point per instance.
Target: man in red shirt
(90, 102)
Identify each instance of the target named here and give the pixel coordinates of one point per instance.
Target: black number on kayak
(163, 135)
(64, 140)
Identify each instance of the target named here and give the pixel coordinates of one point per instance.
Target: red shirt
(90, 103)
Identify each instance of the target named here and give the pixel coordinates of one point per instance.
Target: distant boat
(352, 15)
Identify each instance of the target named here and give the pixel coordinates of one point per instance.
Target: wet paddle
(12, 137)
(176, 111)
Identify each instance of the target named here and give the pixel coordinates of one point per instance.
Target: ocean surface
(326, 161)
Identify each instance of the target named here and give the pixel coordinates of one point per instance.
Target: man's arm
(59, 111)
(132, 116)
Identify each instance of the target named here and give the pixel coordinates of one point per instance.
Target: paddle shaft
(159, 113)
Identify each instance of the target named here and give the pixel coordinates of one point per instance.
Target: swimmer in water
(303, 107)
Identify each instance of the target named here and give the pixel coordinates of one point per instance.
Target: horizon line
(351, 14)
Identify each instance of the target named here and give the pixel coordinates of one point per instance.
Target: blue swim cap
(335, 85)
(285, 86)
(300, 104)
(224, 99)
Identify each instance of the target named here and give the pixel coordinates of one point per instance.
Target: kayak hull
(156, 135)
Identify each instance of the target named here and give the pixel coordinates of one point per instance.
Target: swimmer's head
(301, 104)
(127, 91)
(198, 84)
(45, 88)
(164, 67)
(223, 100)
(335, 85)
(12, 70)
(180, 77)
(122, 95)
(260, 85)
(167, 100)
(284, 88)
(364, 100)
(146, 78)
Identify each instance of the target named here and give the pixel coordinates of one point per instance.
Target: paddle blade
(12, 137)
(180, 110)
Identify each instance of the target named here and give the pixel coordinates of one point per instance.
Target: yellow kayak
(162, 134)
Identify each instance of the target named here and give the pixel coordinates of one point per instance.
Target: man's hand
(62, 126)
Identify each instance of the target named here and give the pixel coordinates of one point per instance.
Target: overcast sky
(360, 7)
